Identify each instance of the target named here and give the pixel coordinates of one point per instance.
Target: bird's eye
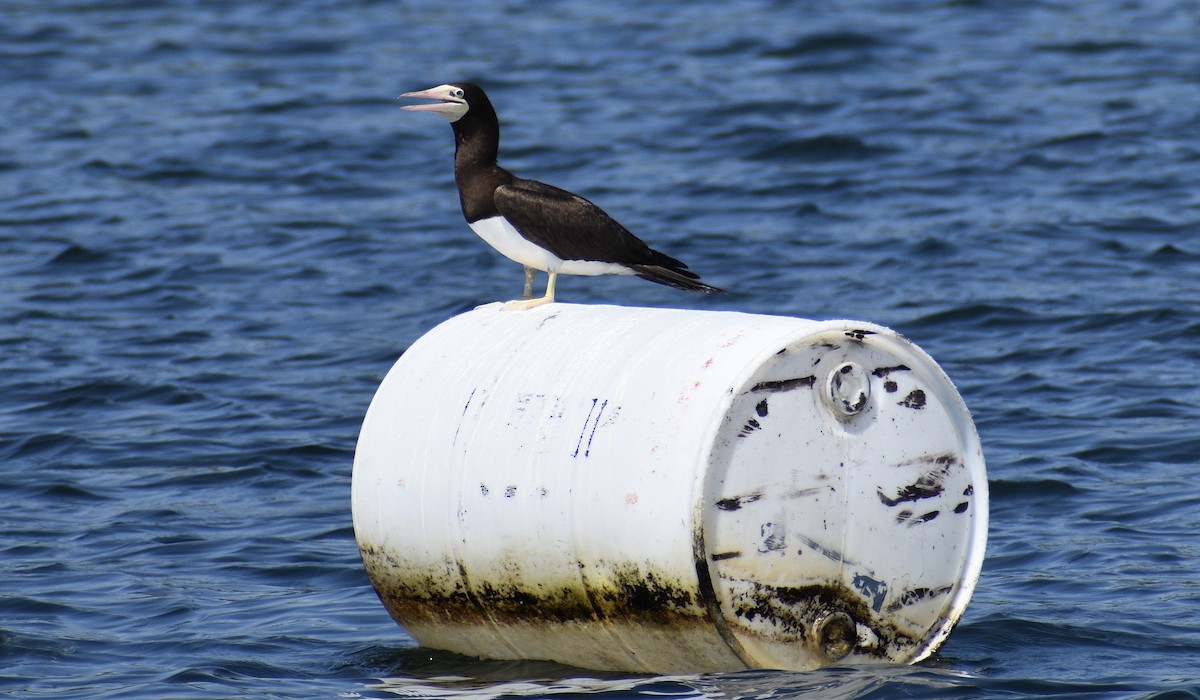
(457, 92)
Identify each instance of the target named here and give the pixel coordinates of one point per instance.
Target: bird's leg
(529, 272)
(531, 303)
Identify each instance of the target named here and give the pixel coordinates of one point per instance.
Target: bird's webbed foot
(520, 304)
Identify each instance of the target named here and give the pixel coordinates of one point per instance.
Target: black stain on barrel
(736, 502)
(827, 347)
(812, 491)
(722, 556)
(647, 595)
(828, 553)
(510, 491)
(913, 596)
(962, 507)
(884, 373)
(785, 384)
(510, 596)
(915, 400)
(761, 409)
(433, 595)
(418, 594)
(920, 489)
(924, 518)
(750, 426)
(859, 333)
(483, 489)
(928, 485)
(790, 612)
(906, 517)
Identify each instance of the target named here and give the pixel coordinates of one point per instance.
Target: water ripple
(217, 232)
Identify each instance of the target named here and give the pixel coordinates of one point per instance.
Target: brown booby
(538, 225)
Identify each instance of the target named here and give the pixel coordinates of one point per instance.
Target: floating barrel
(658, 490)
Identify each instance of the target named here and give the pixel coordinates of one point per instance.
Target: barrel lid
(845, 514)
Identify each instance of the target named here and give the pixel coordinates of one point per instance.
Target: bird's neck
(476, 142)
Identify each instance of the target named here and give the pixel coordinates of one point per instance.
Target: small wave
(45, 445)
(932, 247)
(71, 493)
(1083, 138)
(290, 47)
(1040, 161)
(1142, 320)
(1146, 223)
(1152, 449)
(978, 314)
(282, 106)
(826, 147)
(177, 171)
(76, 255)
(1090, 47)
(109, 391)
(733, 47)
(1009, 489)
(1170, 253)
(208, 476)
(825, 43)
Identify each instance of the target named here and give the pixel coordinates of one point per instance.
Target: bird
(537, 225)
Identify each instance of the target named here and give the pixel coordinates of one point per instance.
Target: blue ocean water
(217, 232)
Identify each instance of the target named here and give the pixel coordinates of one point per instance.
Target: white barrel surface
(663, 491)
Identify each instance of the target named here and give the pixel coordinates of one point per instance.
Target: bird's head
(451, 104)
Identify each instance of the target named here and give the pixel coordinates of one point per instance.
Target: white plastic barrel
(663, 491)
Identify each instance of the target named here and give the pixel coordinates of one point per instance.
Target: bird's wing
(571, 227)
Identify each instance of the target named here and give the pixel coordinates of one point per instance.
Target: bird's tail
(677, 277)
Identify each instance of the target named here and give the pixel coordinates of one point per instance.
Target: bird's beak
(450, 105)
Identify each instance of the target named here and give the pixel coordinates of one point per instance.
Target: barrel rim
(972, 564)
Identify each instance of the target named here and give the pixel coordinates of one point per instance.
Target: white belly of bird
(501, 235)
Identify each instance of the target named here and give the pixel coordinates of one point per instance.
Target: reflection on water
(421, 672)
(461, 687)
(537, 680)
